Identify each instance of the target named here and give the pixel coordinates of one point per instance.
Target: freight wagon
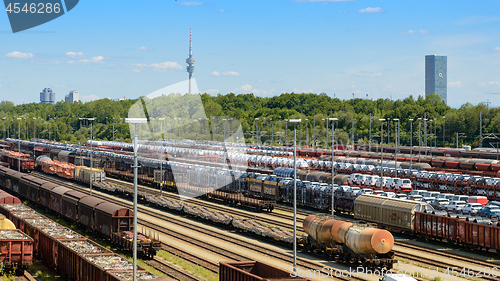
(106, 219)
(74, 256)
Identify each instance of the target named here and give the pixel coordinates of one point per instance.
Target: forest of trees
(61, 121)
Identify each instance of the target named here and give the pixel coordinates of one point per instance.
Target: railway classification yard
(242, 226)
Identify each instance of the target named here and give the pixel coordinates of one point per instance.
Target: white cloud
(166, 65)
(484, 84)
(389, 88)
(371, 10)
(368, 74)
(75, 55)
(231, 73)
(141, 48)
(89, 98)
(97, 59)
(411, 32)
(215, 73)
(162, 66)
(456, 84)
(496, 48)
(246, 87)
(136, 70)
(19, 55)
(222, 10)
(188, 3)
(423, 31)
(71, 62)
(313, 1)
(0, 85)
(211, 91)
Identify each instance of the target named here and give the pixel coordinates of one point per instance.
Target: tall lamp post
(444, 119)
(4, 128)
(411, 144)
(419, 139)
(294, 121)
(162, 154)
(333, 167)
(91, 152)
(396, 137)
(135, 121)
(381, 151)
(19, 147)
(113, 128)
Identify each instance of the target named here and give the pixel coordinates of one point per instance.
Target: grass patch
(195, 269)
(42, 272)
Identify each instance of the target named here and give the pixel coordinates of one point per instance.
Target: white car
(391, 195)
(353, 190)
(352, 178)
(455, 206)
(402, 184)
(471, 208)
(383, 180)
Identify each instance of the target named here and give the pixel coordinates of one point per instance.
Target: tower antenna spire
(190, 62)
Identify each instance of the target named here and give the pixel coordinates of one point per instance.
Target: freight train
(108, 220)
(418, 219)
(349, 242)
(60, 248)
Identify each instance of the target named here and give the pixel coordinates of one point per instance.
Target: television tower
(190, 67)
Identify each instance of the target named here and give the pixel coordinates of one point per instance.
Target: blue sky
(104, 49)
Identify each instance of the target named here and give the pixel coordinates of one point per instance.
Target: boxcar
(479, 236)
(16, 182)
(70, 204)
(389, 213)
(44, 192)
(33, 192)
(56, 196)
(86, 208)
(110, 218)
(24, 185)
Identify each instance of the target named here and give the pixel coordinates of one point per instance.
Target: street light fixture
(19, 147)
(295, 121)
(162, 154)
(381, 150)
(135, 121)
(396, 136)
(333, 168)
(411, 144)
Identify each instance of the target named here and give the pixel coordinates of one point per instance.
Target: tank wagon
(349, 242)
(106, 219)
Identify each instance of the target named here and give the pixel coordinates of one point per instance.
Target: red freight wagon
(86, 208)
(16, 248)
(69, 256)
(16, 182)
(25, 182)
(34, 189)
(32, 228)
(48, 242)
(95, 267)
(18, 218)
(252, 271)
(70, 204)
(56, 196)
(431, 225)
(6, 198)
(7, 209)
(479, 236)
(8, 179)
(45, 193)
(110, 218)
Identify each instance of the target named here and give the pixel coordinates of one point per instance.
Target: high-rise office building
(436, 76)
(72, 96)
(47, 96)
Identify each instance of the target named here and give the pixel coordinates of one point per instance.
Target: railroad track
(200, 261)
(301, 262)
(171, 271)
(445, 268)
(476, 262)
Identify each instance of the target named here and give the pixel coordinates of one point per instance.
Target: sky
(372, 49)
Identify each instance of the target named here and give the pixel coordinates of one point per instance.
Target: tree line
(262, 119)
